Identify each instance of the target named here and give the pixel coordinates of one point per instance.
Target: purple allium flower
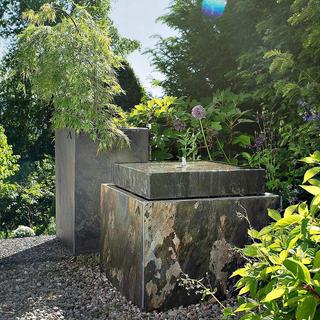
(311, 117)
(199, 112)
(257, 143)
(307, 117)
(179, 125)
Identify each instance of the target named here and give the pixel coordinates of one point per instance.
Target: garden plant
(254, 71)
(26, 111)
(281, 277)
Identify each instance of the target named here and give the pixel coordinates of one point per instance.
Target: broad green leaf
(316, 261)
(275, 294)
(253, 233)
(247, 307)
(306, 308)
(315, 238)
(314, 158)
(228, 311)
(299, 270)
(245, 289)
(293, 301)
(314, 182)
(266, 230)
(314, 230)
(275, 259)
(311, 189)
(293, 242)
(243, 140)
(251, 251)
(276, 246)
(216, 126)
(249, 284)
(311, 173)
(314, 209)
(290, 210)
(240, 272)
(272, 269)
(283, 255)
(316, 201)
(303, 209)
(288, 221)
(308, 160)
(274, 214)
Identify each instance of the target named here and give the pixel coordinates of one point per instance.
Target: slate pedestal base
(147, 244)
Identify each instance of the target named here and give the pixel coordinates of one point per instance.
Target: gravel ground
(40, 280)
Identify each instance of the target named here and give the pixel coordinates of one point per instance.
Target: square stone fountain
(159, 220)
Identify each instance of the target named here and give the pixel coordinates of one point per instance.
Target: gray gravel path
(40, 280)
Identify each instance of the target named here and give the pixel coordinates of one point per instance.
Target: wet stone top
(200, 179)
(165, 167)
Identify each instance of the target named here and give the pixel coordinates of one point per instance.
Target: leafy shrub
(67, 58)
(282, 277)
(273, 59)
(31, 201)
(8, 168)
(174, 130)
(51, 228)
(8, 164)
(276, 148)
(22, 232)
(35, 204)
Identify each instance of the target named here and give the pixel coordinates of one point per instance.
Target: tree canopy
(239, 49)
(25, 117)
(71, 65)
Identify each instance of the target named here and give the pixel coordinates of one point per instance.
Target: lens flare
(213, 8)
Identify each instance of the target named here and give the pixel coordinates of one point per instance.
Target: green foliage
(12, 22)
(133, 92)
(244, 44)
(175, 133)
(8, 164)
(281, 278)
(71, 65)
(189, 144)
(27, 119)
(267, 51)
(31, 200)
(161, 115)
(277, 151)
(197, 61)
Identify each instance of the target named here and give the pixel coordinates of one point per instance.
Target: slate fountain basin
(147, 243)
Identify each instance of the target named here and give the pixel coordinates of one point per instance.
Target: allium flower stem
(205, 140)
(222, 150)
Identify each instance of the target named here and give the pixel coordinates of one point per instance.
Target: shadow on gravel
(49, 250)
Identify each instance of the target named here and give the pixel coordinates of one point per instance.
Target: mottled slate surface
(80, 170)
(122, 240)
(194, 236)
(168, 180)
